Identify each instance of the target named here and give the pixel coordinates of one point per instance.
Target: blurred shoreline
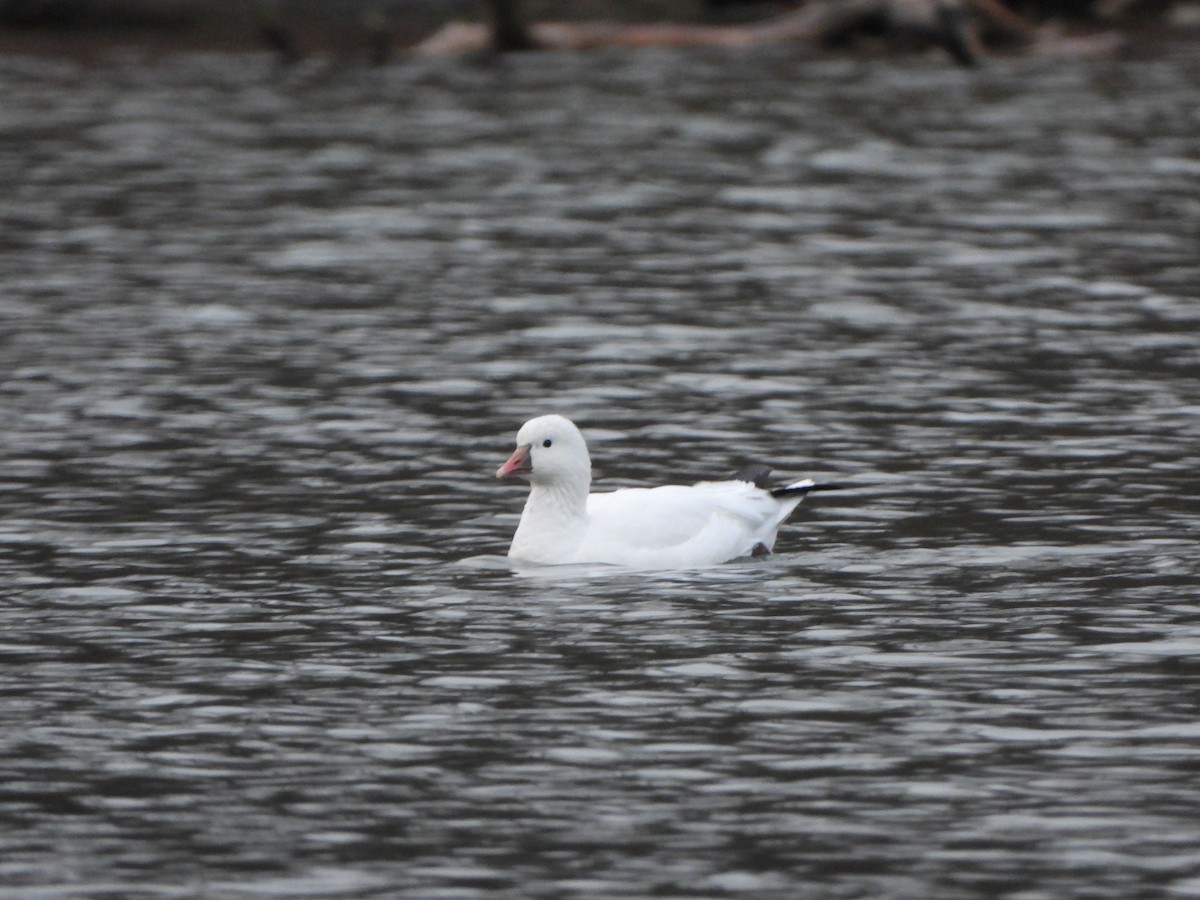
(349, 30)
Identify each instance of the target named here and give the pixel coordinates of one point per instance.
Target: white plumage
(675, 526)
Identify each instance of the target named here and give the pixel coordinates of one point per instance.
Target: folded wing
(704, 523)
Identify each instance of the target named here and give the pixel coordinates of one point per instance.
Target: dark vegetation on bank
(966, 31)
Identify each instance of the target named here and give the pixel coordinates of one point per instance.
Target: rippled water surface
(265, 337)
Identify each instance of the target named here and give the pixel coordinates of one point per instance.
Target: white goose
(674, 526)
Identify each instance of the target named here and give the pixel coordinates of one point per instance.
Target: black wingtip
(831, 486)
(810, 488)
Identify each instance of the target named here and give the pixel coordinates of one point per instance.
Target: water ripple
(267, 337)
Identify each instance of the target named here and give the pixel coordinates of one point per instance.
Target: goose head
(550, 451)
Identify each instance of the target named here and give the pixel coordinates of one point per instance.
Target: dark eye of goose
(547, 442)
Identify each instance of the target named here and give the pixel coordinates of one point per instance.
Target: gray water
(265, 337)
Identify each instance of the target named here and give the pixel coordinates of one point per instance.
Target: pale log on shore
(958, 26)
